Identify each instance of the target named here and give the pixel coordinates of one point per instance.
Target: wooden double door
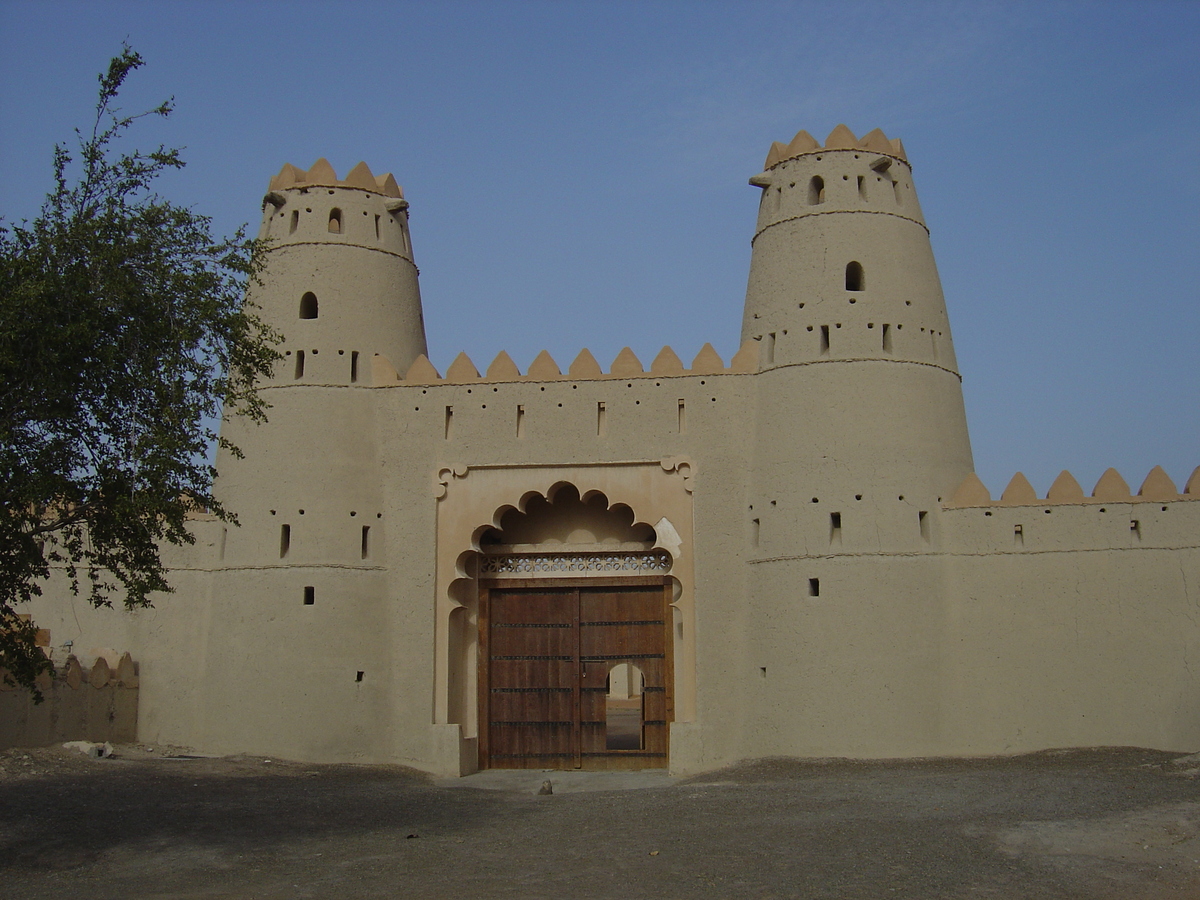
(548, 651)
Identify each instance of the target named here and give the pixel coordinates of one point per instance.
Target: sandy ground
(149, 823)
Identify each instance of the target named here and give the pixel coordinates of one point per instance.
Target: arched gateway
(573, 597)
(566, 621)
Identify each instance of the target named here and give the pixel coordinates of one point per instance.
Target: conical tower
(860, 389)
(339, 273)
(860, 436)
(340, 285)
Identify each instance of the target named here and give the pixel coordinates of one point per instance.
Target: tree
(123, 336)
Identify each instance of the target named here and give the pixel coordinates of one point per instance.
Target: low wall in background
(97, 704)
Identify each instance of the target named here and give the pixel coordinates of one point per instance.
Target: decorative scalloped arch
(472, 501)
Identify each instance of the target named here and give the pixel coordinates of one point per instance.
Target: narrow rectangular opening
(682, 418)
(449, 421)
(1019, 535)
(299, 364)
(354, 366)
(520, 421)
(601, 419)
(310, 595)
(285, 540)
(835, 528)
(358, 677)
(887, 338)
(224, 538)
(754, 532)
(769, 349)
(933, 341)
(1135, 528)
(923, 520)
(377, 228)
(862, 187)
(366, 542)
(825, 339)
(814, 587)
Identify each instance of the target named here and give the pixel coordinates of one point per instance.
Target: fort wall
(840, 582)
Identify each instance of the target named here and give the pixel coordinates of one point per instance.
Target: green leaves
(122, 332)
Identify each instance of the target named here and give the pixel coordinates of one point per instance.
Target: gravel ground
(150, 823)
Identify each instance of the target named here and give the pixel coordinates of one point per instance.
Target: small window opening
(449, 421)
(358, 677)
(923, 520)
(335, 221)
(835, 528)
(353, 366)
(308, 306)
(520, 421)
(825, 339)
(682, 418)
(1136, 528)
(295, 221)
(769, 349)
(896, 193)
(862, 187)
(285, 540)
(601, 419)
(1019, 535)
(754, 532)
(887, 338)
(814, 587)
(377, 228)
(310, 595)
(816, 190)
(854, 276)
(299, 364)
(366, 542)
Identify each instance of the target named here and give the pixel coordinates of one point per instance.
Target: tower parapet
(340, 276)
(842, 266)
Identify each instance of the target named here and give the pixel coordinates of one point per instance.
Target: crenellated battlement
(841, 138)
(1157, 487)
(584, 367)
(322, 174)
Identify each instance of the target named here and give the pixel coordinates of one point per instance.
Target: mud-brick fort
(661, 563)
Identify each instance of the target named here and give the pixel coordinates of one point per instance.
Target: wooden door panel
(523, 640)
(620, 604)
(532, 606)
(526, 672)
(546, 654)
(533, 704)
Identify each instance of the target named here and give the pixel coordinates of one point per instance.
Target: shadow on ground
(1084, 824)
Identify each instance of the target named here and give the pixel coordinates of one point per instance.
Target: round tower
(304, 574)
(340, 285)
(860, 436)
(859, 380)
(339, 280)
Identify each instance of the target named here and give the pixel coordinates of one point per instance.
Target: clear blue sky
(577, 171)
